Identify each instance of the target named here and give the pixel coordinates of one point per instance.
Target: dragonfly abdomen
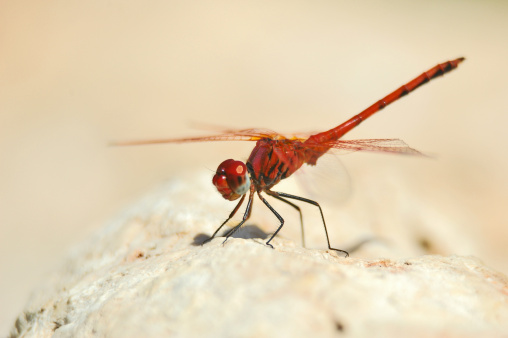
(339, 131)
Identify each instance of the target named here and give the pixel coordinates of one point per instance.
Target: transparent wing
(328, 181)
(396, 146)
(227, 135)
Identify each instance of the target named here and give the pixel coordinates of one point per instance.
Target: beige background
(76, 75)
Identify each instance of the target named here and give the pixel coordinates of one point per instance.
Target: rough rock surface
(145, 274)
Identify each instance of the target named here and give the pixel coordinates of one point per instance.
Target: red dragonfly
(276, 157)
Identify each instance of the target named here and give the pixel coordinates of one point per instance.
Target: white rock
(144, 275)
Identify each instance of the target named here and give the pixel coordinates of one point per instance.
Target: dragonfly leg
(294, 206)
(281, 220)
(246, 216)
(227, 220)
(306, 200)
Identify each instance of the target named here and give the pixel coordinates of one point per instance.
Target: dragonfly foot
(346, 254)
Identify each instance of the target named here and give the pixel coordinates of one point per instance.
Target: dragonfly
(276, 157)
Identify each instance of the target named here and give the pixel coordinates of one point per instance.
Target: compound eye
(220, 182)
(236, 175)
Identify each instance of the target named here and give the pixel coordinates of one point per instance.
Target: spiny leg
(281, 220)
(227, 220)
(281, 194)
(246, 216)
(294, 206)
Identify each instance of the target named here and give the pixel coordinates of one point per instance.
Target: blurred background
(77, 75)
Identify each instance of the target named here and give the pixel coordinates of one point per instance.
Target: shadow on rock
(248, 231)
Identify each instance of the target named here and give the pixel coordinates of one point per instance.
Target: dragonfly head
(232, 179)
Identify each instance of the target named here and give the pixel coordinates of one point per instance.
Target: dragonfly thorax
(232, 179)
(274, 160)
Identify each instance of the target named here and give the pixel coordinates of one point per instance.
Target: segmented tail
(337, 132)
